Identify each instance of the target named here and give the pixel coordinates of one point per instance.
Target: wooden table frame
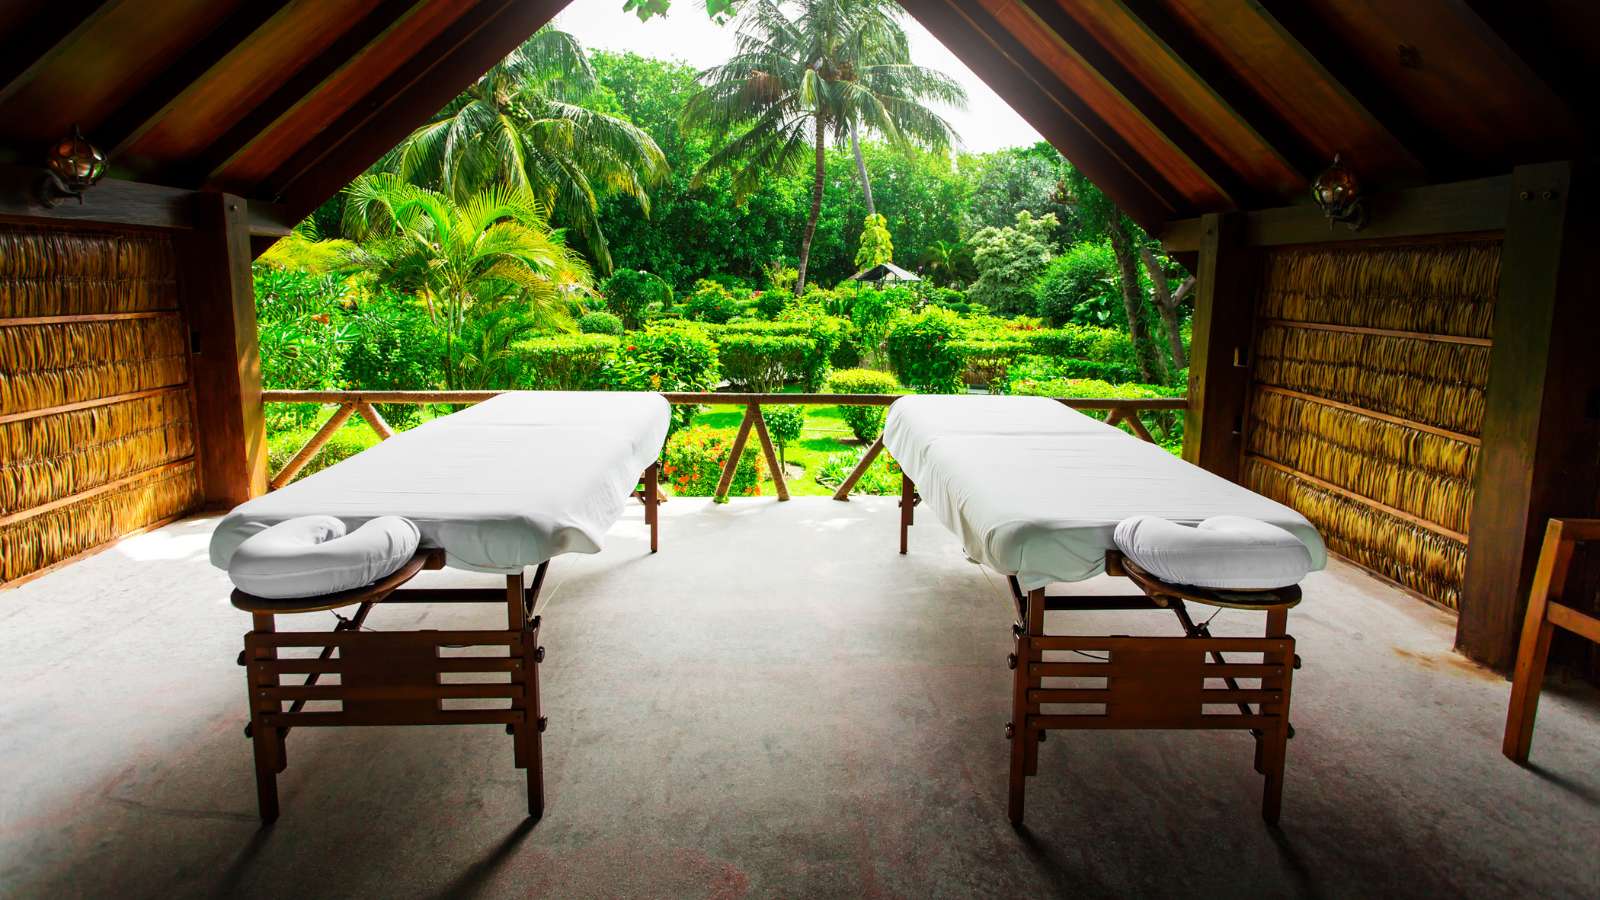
(1545, 614)
(400, 677)
(1148, 682)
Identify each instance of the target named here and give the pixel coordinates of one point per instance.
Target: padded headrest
(1222, 553)
(311, 556)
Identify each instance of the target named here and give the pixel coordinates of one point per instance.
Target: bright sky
(686, 33)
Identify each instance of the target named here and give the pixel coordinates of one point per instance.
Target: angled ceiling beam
(1049, 106)
(1528, 41)
(1307, 38)
(424, 84)
(143, 110)
(346, 50)
(1195, 151)
(42, 38)
(1234, 94)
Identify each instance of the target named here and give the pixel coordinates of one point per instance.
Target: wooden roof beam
(1528, 42)
(1230, 90)
(346, 50)
(1304, 36)
(1051, 107)
(141, 112)
(427, 81)
(31, 47)
(1194, 150)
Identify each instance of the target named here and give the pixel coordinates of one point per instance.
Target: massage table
(499, 487)
(1035, 491)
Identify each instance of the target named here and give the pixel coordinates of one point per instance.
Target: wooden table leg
(908, 505)
(1273, 745)
(267, 741)
(1024, 742)
(1533, 651)
(652, 503)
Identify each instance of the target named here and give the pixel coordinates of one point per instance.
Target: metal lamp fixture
(73, 166)
(1338, 192)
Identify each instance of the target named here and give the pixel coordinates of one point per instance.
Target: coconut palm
(494, 250)
(839, 68)
(523, 124)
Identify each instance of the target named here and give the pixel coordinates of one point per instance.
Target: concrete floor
(777, 704)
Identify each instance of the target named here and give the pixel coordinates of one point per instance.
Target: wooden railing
(364, 404)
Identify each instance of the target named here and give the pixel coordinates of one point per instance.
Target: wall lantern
(1338, 192)
(72, 167)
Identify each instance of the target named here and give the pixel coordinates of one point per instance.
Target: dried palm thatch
(47, 458)
(1425, 474)
(50, 273)
(49, 365)
(50, 537)
(1440, 288)
(1424, 561)
(1435, 383)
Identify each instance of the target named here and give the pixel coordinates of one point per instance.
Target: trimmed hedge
(809, 370)
(600, 323)
(1106, 345)
(920, 353)
(763, 362)
(866, 422)
(986, 361)
(565, 362)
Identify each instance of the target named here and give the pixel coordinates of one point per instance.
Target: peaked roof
(1174, 107)
(885, 272)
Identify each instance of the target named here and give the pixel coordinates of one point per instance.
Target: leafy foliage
(784, 423)
(693, 459)
(666, 358)
(1080, 287)
(569, 362)
(866, 422)
(1009, 260)
(631, 294)
(882, 478)
(393, 346)
(877, 245)
(919, 351)
(761, 363)
(600, 323)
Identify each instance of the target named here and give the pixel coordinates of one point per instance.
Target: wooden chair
(1545, 614)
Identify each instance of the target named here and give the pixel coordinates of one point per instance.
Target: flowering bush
(692, 464)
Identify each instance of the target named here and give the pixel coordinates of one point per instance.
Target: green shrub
(1083, 342)
(600, 323)
(692, 464)
(763, 362)
(881, 478)
(353, 438)
(1167, 426)
(784, 423)
(630, 294)
(710, 302)
(666, 357)
(847, 355)
(1080, 287)
(291, 294)
(872, 310)
(866, 422)
(919, 351)
(394, 346)
(772, 301)
(565, 362)
(987, 360)
(826, 332)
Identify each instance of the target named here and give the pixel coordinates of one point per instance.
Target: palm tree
(839, 68)
(523, 124)
(495, 250)
(944, 261)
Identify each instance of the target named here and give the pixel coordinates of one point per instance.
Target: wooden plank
(849, 483)
(99, 490)
(1348, 494)
(996, 57)
(1464, 208)
(1574, 621)
(770, 453)
(348, 49)
(111, 202)
(158, 96)
(453, 638)
(307, 453)
(1104, 722)
(89, 404)
(89, 317)
(219, 300)
(1219, 375)
(428, 79)
(1381, 332)
(1540, 428)
(43, 38)
(694, 398)
(731, 467)
(374, 419)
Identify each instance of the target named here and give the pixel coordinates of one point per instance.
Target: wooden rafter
(1527, 42)
(159, 96)
(1235, 95)
(421, 86)
(1130, 90)
(42, 38)
(1059, 115)
(1377, 102)
(348, 49)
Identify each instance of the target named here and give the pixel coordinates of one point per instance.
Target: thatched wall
(96, 413)
(1367, 403)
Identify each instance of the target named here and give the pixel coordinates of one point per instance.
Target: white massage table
(1035, 490)
(509, 483)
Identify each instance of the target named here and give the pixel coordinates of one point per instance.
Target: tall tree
(796, 84)
(1102, 217)
(495, 249)
(525, 124)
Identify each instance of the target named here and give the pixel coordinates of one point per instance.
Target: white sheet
(508, 483)
(1035, 489)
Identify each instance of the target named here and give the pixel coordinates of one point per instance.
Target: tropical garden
(586, 220)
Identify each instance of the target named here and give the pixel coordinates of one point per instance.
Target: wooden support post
(732, 465)
(309, 452)
(771, 454)
(1542, 408)
(375, 419)
(1219, 358)
(843, 493)
(219, 306)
